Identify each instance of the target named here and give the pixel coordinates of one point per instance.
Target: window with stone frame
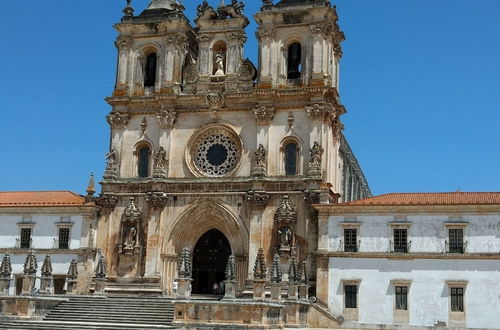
(351, 296)
(25, 241)
(291, 156)
(401, 297)
(294, 61)
(350, 240)
(64, 235)
(457, 299)
(144, 155)
(401, 240)
(456, 240)
(150, 69)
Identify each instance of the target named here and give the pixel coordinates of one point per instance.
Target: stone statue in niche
(111, 171)
(315, 156)
(160, 158)
(260, 161)
(219, 65)
(285, 219)
(285, 235)
(130, 226)
(247, 73)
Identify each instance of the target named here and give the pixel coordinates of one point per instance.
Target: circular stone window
(216, 152)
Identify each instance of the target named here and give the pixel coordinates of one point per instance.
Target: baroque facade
(214, 153)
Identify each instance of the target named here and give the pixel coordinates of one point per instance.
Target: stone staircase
(111, 313)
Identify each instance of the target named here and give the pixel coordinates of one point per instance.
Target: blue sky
(420, 81)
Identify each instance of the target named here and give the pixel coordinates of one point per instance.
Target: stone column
(123, 44)
(157, 202)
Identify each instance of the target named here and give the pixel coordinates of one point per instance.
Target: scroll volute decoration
(285, 219)
(130, 229)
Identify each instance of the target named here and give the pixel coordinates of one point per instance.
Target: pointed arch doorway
(209, 261)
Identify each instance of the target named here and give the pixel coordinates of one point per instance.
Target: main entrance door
(209, 261)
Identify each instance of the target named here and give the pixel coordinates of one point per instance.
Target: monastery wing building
(215, 153)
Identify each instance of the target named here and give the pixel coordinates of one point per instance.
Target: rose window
(216, 153)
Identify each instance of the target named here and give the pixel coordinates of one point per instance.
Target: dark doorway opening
(209, 261)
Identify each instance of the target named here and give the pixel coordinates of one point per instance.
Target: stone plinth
(71, 289)
(259, 289)
(28, 284)
(293, 291)
(184, 288)
(160, 173)
(304, 292)
(129, 265)
(4, 286)
(47, 285)
(99, 286)
(275, 292)
(230, 290)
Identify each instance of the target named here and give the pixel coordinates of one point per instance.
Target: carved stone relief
(130, 224)
(285, 219)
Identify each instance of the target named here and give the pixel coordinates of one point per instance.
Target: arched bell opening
(210, 256)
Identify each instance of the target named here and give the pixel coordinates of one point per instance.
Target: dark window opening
(350, 240)
(150, 71)
(457, 299)
(19, 284)
(402, 297)
(351, 292)
(144, 153)
(25, 238)
(294, 61)
(400, 240)
(291, 159)
(456, 240)
(217, 154)
(59, 282)
(64, 238)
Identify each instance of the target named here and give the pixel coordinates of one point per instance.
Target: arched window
(143, 161)
(294, 61)
(150, 71)
(291, 158)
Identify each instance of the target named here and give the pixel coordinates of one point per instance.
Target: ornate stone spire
(91, 187)
(259, 270)
(47, 266)
(6, 267)
(276, 274)
(100, 270)
(129, 11)
(303, 275)
(293, 274)
(73, 271)
(231, 269)
(184, 268)
(30, 265)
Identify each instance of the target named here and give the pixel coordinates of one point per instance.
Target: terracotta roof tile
(447, 198)
(40, 199)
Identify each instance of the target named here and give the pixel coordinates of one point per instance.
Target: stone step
(125, 306)
(113, 314)
(29, 325)
(113, 309)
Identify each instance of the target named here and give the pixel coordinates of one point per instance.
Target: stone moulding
(156, 199)
(107, 200)
(260, 198)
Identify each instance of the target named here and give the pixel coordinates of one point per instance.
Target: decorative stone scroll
(259, 169)
(107, 200)
(315, 157)
(156, 199)
(260, 198)
(130, 226)
(118, 120)
(264, 115)
(112, 165)
(285, 219)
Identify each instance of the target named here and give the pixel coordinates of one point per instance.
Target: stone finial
(259, 270)
(276, 273)
(91, 187)
(6, 267)
(30, 265)
(184, 269)
(231, 269)
(293, 273)
(47, 266)
(73, 271)
(100, 270)
(303, 275)
(129, 11)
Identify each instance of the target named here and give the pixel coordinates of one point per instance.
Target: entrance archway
(209, 261)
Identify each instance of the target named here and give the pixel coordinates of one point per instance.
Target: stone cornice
(410, 256)
(87, 209)
(339, 209)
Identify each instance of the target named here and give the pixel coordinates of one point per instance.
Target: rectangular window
(25, 238)
(457, 299)
(350, 240)
(456, 240)
(400, 240)
(64, 238)
(402, 297)
(351, 293)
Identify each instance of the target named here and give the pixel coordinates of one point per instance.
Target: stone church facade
(212, 152)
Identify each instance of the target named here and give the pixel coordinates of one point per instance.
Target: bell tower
(299, 44)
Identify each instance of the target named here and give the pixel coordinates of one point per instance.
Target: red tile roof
(449, 198)
(40, 199)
